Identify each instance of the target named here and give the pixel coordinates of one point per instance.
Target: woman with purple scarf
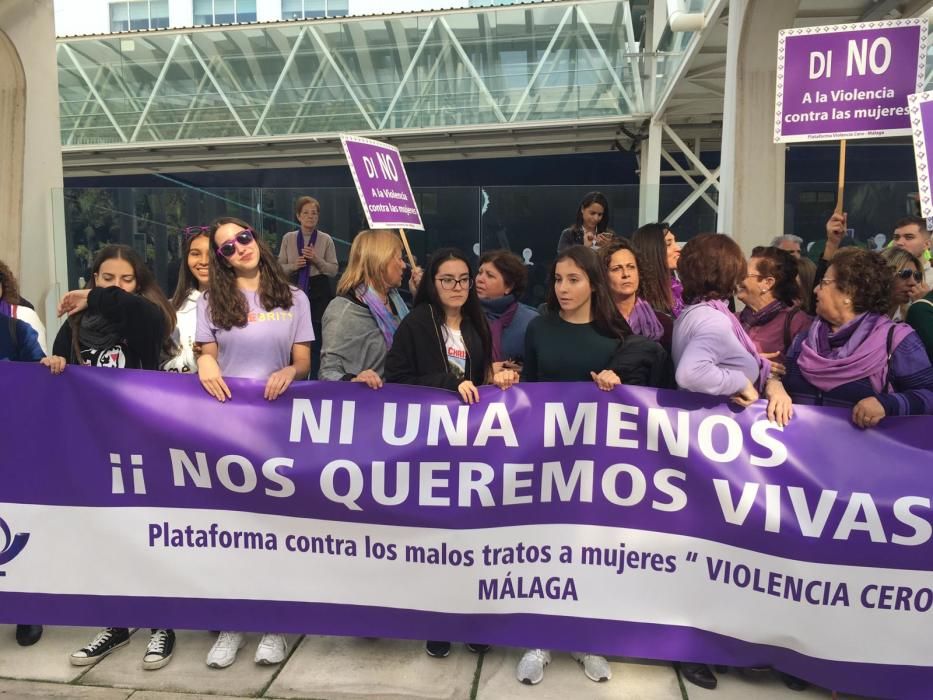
(500, 283)
(712, 352)
(360, 324)
(309, 259)
(854, 355)
(629, 294)
(771, 316)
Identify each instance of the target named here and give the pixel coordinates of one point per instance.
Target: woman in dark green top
(920, 317)
(583, 336)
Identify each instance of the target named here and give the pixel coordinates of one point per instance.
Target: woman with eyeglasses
(193, 275)
(908, 280)
(360, 323)
(854, 355)
(630, 295)
(444, 342)
(770, 292)
(659, 255)
(309, 258)
(251, 324)
(122, 319)
(591, 227)
(14, 306)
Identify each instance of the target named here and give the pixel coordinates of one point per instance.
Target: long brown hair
(606, 317)
(187, 282)
(146, 287)
(653, 273)
(226, 302)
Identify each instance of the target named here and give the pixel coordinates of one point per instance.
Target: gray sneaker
(530, 669)
(595, 667)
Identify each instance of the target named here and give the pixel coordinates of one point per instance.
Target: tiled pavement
(338, 668)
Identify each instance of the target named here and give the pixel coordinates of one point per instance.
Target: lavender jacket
(708, 358)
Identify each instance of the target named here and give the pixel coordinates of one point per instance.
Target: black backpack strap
(12, 323)
(889, 351)
(788, 319)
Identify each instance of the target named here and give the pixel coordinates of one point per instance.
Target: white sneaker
(530, 669)
(223, 653)
(271, 649)
(595, 667)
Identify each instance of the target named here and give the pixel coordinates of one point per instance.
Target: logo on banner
(10, 546)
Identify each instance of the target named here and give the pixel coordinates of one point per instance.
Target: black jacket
(138, 322)
(418, 355)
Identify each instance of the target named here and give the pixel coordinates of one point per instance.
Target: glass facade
(495, 67)
(138, 15)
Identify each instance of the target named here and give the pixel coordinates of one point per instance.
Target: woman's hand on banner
(278, 382)
(468, 392)
(868, 412)
(606, 380)
(211, 378)
(780, 406)
(369, 378)
(54, 363)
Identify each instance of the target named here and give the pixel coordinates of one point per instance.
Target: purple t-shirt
(264, 344)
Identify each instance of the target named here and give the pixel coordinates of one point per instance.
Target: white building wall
(77, 17)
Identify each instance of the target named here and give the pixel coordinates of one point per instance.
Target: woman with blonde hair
(360, 323)
(908, 278)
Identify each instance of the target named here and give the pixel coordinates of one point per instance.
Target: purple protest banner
(921, 126)
(848, 80)
(636, 522)
(382, 184)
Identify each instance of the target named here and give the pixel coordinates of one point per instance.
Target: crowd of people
(853, 328)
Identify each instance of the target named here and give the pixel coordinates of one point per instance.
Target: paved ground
(337, 668)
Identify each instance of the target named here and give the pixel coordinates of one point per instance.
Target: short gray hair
(787, 237)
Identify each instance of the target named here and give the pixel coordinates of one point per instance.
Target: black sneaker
(700, 675)
(477, 648)
(27, 635)
(160, 649)
(438, 650)
(106, 641)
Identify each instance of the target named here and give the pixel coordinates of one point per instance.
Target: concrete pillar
(649, 190)
(30, 154)
(751, 199)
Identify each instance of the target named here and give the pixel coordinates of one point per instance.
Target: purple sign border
(344, 138)
(833, 28)
(914, 104)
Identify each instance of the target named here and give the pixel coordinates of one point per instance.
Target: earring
(847, 301)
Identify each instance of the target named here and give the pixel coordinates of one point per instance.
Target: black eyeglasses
(906, 274)
(190, 231)
(244, 238)
(450, 283)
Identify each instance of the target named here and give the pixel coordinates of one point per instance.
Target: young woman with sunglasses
(193, 275)
(122, 319)
(251, 324)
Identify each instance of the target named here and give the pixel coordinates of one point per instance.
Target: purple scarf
(304, 274)
(858, 350)
(644, 321)
(500, 314)
(677, 292)
(387, 321)
(764, 366)
(5, 308)
(750, 319)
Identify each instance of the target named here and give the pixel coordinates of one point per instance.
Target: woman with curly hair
(14, 306)
(251, 324)
(854, 355)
